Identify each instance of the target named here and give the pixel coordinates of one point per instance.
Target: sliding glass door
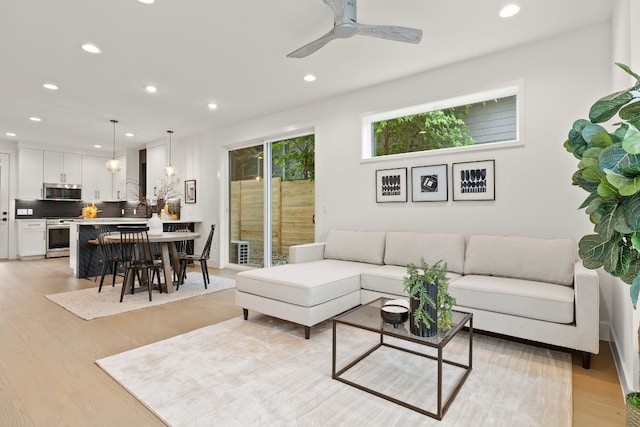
(267, 216)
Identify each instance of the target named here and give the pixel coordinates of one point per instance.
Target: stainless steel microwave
(71, 192)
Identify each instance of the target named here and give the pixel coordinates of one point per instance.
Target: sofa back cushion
(403, 248)
(359, 246)
(543, 260)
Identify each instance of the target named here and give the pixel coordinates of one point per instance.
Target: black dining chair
(109, 256)
(137, 259)
(183, 248)
(202, 259)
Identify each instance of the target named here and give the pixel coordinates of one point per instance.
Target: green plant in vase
(428, 289)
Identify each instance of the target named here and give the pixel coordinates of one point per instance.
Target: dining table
(168, 253)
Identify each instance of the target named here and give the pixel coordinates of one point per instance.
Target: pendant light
(114, 165)
(170, 170)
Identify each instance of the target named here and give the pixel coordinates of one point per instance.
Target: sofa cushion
(306, 284)
(403, 248)
(545, 260)
(388, 279)
(523, 298)
(358, 246)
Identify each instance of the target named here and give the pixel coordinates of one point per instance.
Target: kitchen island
(84, 257)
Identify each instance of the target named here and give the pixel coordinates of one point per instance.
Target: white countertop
(92, 221)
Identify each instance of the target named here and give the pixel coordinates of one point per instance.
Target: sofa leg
(307, 332)
(586, 359)
(245, 313)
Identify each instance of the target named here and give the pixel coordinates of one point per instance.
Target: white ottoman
(306, 293)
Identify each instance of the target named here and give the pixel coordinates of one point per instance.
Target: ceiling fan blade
(337, 7)
(309, 48)
(390, 32)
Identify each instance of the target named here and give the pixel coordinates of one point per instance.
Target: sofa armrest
(587, 303)
(306, 253)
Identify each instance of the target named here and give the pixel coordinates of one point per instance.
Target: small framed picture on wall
(190, 191)
(391, 185)
(474, 180)
(429, 184)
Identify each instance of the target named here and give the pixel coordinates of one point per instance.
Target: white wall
(534, 195)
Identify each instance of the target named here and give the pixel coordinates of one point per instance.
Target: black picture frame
(391, 185)
(429, 183)
(474, 180)
(190, 191)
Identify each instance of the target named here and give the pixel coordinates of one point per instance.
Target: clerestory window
(487, 118)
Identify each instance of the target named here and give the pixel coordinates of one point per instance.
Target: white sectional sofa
(528, 288)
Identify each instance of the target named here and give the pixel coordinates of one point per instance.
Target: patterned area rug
(88, 304)
(263, 372)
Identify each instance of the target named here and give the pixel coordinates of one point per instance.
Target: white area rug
(89, 304)
(262, 372)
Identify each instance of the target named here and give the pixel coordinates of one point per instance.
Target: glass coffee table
(426, 355)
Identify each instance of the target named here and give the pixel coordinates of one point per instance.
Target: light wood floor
(48, 376)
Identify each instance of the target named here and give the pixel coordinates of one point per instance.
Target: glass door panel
(259, 237)
(246, 210)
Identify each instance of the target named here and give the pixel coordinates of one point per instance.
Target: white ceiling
(231, 52)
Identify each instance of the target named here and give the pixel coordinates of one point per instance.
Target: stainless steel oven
(58, 237)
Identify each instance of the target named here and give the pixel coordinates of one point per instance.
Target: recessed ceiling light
(50, 86)
(97, 146)
(129, 134)
(212, 105)
(509, 10)
(10, 134)
(91, 48)
(35, 119)
(309, 78)
(147, 1)
(151, 88)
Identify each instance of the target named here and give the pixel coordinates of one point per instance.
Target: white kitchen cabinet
(62, 167)
(32, 238)
(120, 181)
(97, 181)
(156, 161)
(30, 178)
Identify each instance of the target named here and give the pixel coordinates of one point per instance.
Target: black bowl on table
(395, 312)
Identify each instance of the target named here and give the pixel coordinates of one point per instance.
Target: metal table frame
(439, 342)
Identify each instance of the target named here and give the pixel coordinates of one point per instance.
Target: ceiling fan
(345, 26)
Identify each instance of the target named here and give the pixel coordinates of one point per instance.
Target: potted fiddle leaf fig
(609, 171)
(430, 303)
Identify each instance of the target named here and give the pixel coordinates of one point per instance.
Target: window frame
(368, 143)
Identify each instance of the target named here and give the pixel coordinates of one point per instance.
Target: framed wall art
(474, 180)
(429, 184)
(391, 185)
(190, 191)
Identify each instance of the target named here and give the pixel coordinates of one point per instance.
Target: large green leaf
(606, 226)
(624, 262)
(607, 107)
(618, 160)
(592, 203)
(620, 223)
(632, 272)
(611, 257)
(630, 112)
(630, 207)
(628, 70)
(626, 186)
(591, 130)
(592, 251)
(605, 189)
(592, 153)
(631, 141)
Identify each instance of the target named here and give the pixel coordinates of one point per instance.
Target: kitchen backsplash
(68, 209)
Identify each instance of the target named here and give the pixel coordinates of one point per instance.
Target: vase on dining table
(155, 225)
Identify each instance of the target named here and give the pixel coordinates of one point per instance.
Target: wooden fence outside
(292, 207)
